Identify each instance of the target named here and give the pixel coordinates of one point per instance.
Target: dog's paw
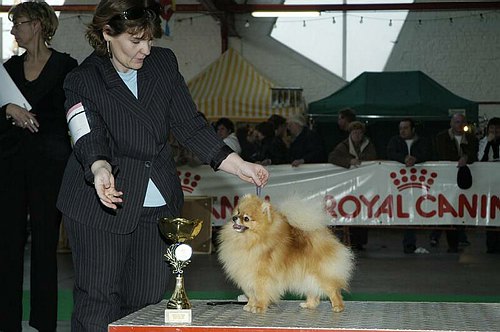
(255, 309)
(338, 307)
(311, 302)
(308, 305)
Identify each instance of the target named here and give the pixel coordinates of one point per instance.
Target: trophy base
(178, 316)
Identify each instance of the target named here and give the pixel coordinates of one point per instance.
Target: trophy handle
(179, 299)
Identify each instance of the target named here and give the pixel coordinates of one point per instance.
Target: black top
(308, 146)
(132, 134)
(46, 96)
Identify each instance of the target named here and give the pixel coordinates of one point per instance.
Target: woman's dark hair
(277, 120)
(37, 11)
(226, 123)
(123, 16)
(493, 122)
(348, 113)
(266, 129)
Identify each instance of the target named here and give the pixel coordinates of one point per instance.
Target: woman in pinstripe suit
(122, 103)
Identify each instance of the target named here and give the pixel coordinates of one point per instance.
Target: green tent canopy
(394, 95)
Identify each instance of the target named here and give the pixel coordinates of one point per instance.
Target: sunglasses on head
(135, 13)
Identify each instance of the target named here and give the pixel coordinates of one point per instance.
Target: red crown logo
(412, 179)
(189, 181)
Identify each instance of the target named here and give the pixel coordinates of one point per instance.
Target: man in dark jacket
(455, 144)
(307, 146)
(408, 148)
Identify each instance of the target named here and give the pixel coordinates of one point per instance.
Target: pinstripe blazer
(131, 133)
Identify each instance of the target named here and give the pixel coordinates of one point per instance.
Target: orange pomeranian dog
(268, 252)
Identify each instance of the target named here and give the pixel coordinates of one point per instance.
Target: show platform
(288, 316)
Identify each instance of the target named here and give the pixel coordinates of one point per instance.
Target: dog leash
(213, 303)
(258, 190)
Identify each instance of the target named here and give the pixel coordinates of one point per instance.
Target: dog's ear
(266, 209)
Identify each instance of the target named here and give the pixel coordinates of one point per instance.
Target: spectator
(280, 128)
(489, 150)
(247, 142)
(354, 149)
(454, 144)
(351, 152)
(271, 149)
(409, 149)
(345, 117)
(306, 146)
(225, 130)
(489, 144)
(34, 148)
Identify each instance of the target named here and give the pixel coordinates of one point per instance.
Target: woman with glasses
(123, 102)
(34, 148)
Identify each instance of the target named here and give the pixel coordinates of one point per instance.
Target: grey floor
(382, 268)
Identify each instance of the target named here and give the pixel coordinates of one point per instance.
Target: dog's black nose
(235, 218)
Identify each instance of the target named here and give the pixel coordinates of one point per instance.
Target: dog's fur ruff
(267, 252)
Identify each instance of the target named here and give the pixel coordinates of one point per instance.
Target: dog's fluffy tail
(307, 215)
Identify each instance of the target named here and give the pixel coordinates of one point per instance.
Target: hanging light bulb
(247, 24)
(304, 23)
(333, 20)
(419, 22)
(451, 20)
(361, 20)
(481, 17)
(390, 23)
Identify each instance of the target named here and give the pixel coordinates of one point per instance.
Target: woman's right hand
(22, 117)
(104, 183)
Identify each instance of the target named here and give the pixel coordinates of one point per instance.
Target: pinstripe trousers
(116, 274)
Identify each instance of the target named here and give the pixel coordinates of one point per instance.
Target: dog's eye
(246, 218)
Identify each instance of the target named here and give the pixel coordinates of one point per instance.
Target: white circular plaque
(183, 252)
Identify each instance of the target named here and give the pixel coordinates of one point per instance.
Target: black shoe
(409, 249)
(434, 242)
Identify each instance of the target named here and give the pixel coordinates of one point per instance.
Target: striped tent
(230, 87)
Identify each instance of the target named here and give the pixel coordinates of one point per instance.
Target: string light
(451, 20)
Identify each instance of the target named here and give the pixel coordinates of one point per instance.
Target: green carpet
(66, 299)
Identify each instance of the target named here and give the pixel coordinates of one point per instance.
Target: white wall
(463, 56)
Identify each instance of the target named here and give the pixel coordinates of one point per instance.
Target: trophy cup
(179, 230)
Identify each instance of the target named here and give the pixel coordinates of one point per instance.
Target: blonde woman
(34, 147)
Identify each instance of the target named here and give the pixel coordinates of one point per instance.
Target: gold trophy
(179, 230)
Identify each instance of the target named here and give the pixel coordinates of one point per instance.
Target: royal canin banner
(376, 193)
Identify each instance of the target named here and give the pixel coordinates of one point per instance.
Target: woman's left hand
(22, 118)
(253, 173)
(246, 171)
